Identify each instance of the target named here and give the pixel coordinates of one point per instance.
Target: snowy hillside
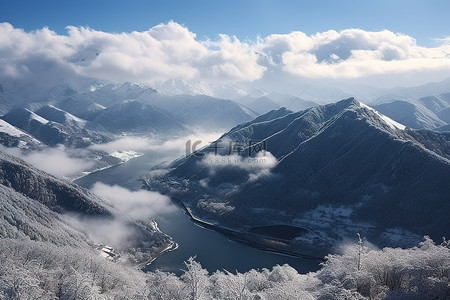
(62, 128)
(11, 136)
(40, 207)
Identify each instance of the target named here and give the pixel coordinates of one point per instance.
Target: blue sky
(423, 20)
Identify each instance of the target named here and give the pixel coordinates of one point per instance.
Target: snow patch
(38, 118)
(125, 155)
(391, 123)
(10, 130)
(69, 115)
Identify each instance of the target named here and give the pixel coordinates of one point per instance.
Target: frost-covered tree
(163, 285)
(41, 270)
(196, 279)
(227, 285)
(421, 272)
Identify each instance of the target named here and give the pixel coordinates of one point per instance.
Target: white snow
(38, 118)
(393, 124)
(9, 129)
(69, 115)
(125, 155)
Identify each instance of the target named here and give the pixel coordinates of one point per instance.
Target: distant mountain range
(430, 112)
(272, 101)
(79, 119)
(92, 112)
(335, 170)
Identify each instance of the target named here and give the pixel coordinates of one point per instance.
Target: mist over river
(213, 249)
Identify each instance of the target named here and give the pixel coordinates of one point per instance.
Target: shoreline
(240, 237)
(262, 243)
(87, 173)
(171, 247)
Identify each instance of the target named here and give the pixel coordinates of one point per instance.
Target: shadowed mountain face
(56, 194)
(340, 157)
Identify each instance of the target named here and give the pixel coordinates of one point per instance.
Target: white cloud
(114, 232)
(171, 52)
(354, 53)
(60, 162)
(166, 51)
(444, 41)
(172, 148)
(256, 167)
(139, 205)
(124, 144)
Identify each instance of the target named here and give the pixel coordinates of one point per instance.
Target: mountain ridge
(338, 155)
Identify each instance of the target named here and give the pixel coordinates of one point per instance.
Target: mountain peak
(353, 104)
(344, 155)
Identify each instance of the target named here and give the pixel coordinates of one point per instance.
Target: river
(212, 249)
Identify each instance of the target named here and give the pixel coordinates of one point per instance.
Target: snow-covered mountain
(414, 92)
(413, 115)
(11, 136)
(55, 114)
(79, 106)
(60, 128)
(335, 170)
(111, 94)
(126, 108)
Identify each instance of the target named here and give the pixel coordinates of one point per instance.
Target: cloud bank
(352, 53)
(170, 149)
(256, 167)
(59, 161)
(171, 52)
(139, 205)
(166, 51)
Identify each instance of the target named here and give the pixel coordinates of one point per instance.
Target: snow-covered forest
(39, 270)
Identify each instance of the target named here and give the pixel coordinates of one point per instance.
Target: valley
(214, 248)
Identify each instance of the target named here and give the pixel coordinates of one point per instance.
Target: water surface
(213, 250)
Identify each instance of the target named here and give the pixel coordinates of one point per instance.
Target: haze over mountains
(96, 112)
(124, 108)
